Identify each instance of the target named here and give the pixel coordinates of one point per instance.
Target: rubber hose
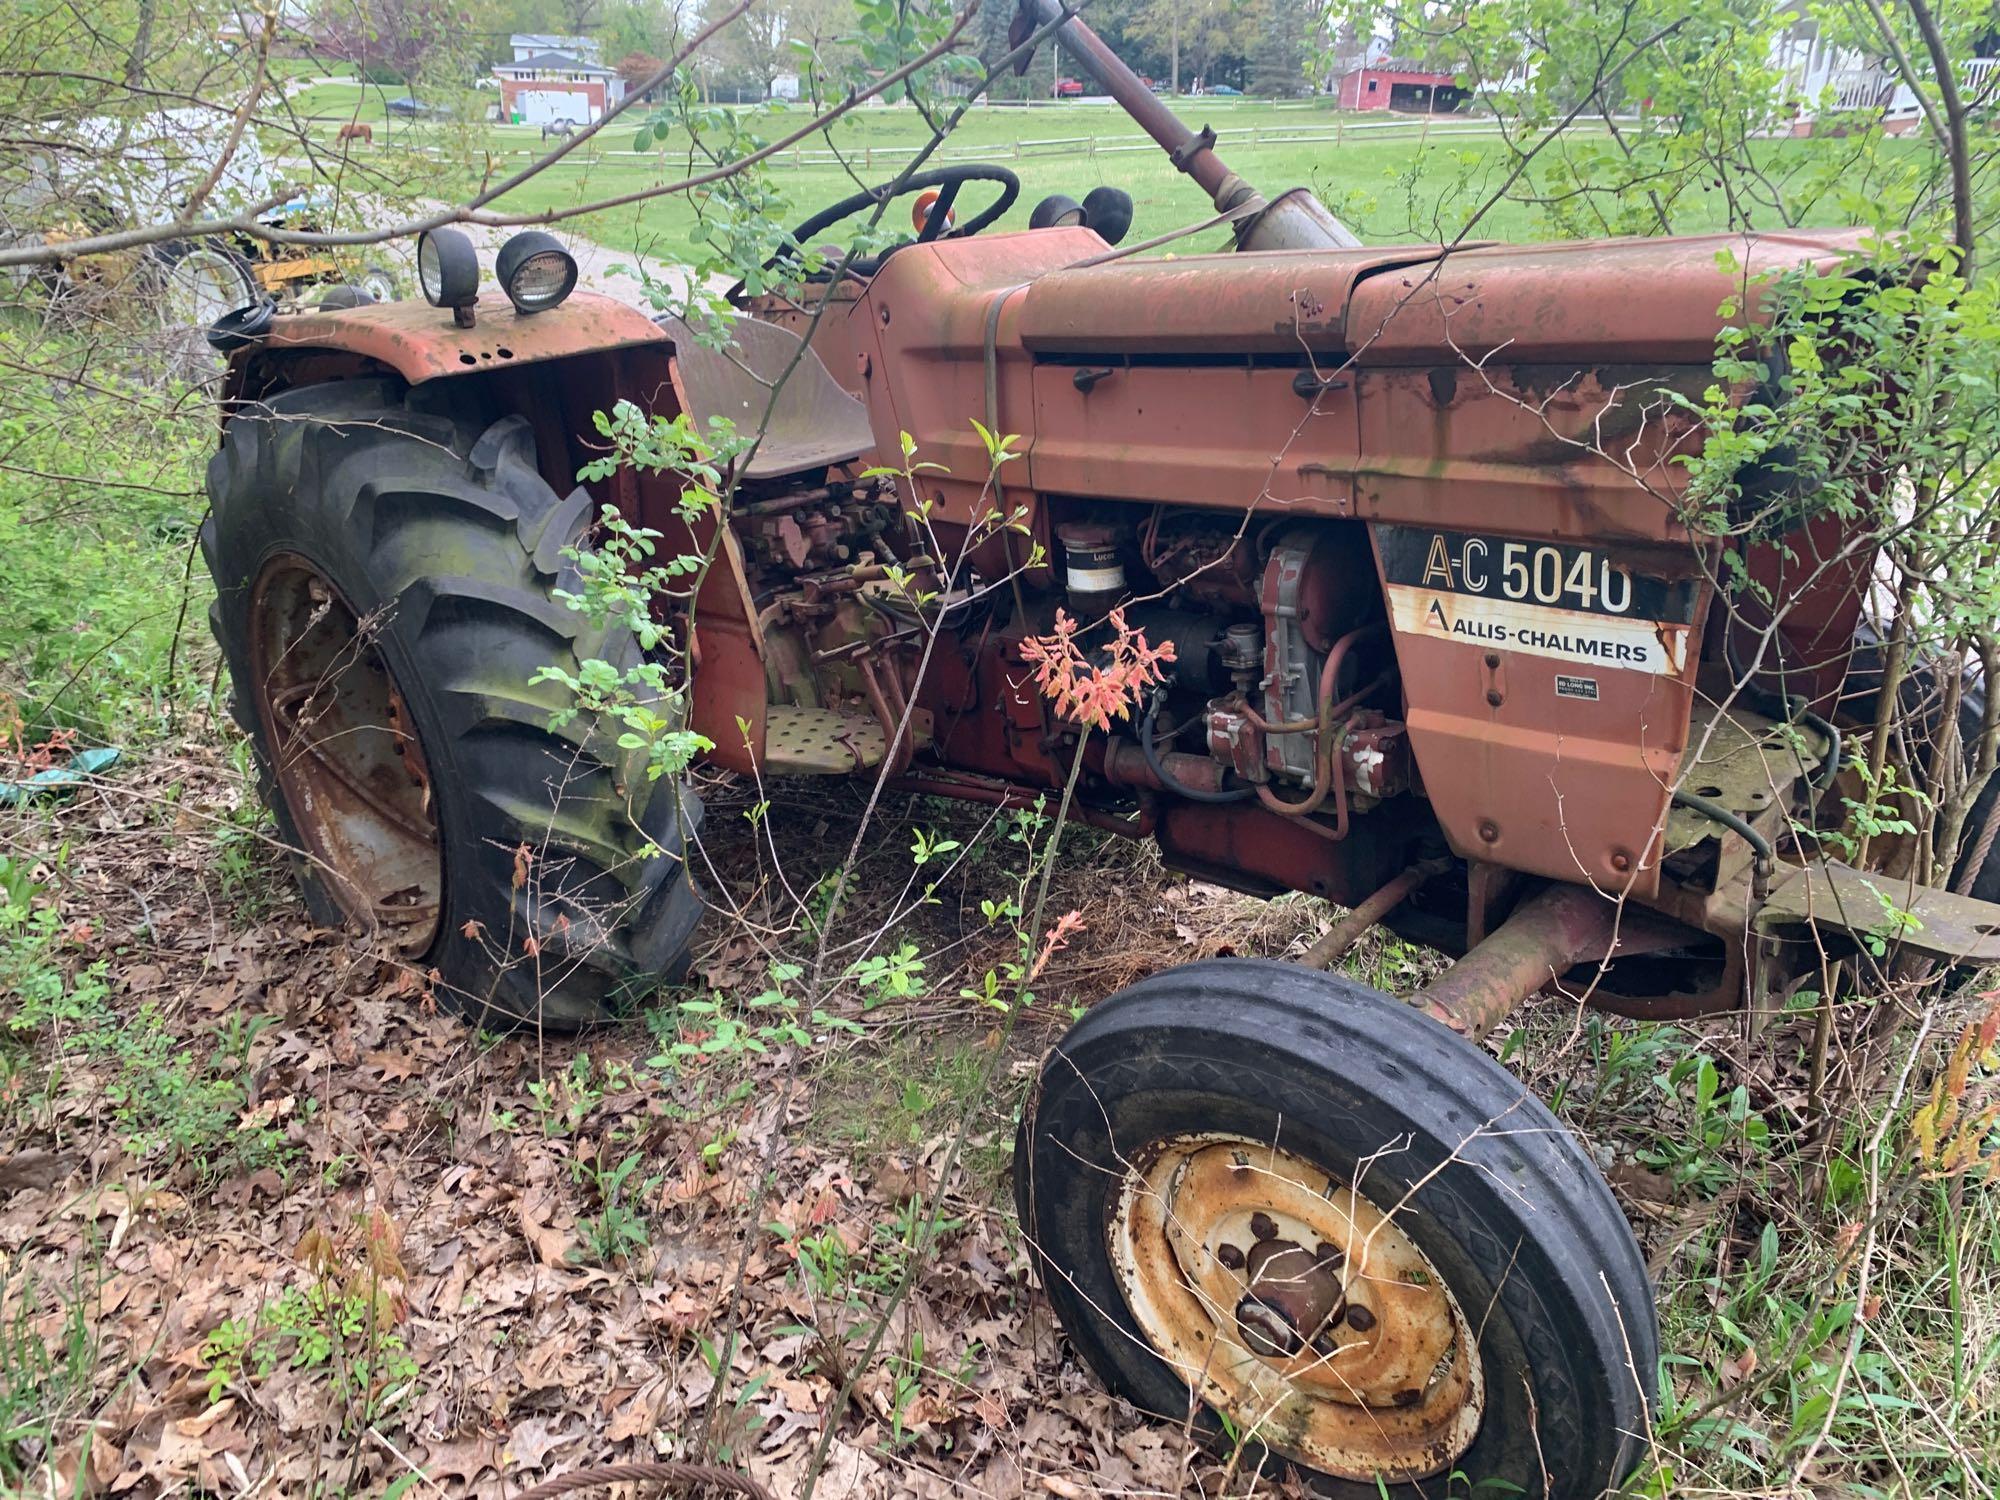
(1829, 767)
(1155, 765)
(1729, 820)
(1793, 710)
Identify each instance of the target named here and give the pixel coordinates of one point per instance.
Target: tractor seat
(815, 423)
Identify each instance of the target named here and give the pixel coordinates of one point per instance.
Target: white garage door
(546, 106)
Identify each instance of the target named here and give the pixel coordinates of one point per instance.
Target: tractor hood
(1624, 301)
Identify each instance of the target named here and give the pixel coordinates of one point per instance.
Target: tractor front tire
(1272, 1193)
(386, 563)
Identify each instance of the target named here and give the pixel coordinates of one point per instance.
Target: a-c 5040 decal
(1548, 599)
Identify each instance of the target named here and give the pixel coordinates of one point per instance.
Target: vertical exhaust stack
(1296, 221)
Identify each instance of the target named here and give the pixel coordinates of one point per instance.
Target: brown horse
(354, 130)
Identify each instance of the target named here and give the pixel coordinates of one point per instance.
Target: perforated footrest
(819, 742)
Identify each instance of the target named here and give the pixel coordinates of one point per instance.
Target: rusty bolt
(1493, 658)
(1493, 698)
(1359, 1318)
(865, 365)
(885, 315)
(1263, 1226)
(1620, 861)
(1489, 831)
(1230, 1256)
(1330, 1256)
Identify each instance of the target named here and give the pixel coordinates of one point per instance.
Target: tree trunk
(141, 52)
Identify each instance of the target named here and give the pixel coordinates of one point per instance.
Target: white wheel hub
(1295, 1307)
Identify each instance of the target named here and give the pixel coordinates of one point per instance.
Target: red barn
(1391, 85)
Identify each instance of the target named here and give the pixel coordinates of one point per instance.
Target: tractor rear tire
(386, 562)
(1240, 1112)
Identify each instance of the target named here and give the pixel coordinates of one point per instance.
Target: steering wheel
(937, 223)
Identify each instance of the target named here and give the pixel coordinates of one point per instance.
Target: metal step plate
(1748, 762)
(819, 742)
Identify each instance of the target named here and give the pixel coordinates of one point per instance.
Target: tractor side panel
(730, 702)
(1230, 438)
(1547, 609)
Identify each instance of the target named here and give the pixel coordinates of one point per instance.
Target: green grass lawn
(1382, 176)
(337, 98)
(1163, 198)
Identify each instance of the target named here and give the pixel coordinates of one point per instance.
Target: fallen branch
(682, 1475)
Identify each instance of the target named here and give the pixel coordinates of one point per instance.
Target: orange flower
(1105, 684)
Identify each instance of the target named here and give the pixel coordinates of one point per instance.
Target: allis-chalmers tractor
(1445, 654)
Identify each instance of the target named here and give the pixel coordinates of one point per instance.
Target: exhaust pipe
(1296, 221)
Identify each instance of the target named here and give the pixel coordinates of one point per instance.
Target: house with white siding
(556, 78)
(1827, 77)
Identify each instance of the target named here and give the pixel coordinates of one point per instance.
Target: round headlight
(1056, 209)
(447, 268)
(535, 271)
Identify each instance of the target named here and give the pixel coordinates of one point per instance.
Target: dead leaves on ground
(438, 1223)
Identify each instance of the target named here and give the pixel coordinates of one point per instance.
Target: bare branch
(248, 225)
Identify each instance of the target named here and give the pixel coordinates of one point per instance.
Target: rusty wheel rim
(1297, 1309)
(345, 753)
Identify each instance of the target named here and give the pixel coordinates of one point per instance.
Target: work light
(535, 271)
(448, 271)
(1056, 209)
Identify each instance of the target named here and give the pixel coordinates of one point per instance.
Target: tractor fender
(420, 342)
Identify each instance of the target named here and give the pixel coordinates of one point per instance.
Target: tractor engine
(1282, 678)
(1280, 644)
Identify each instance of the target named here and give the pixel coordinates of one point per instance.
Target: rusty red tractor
(1443, 656)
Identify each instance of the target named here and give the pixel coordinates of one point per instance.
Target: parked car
(416, 109)
(1067, 88)
(1225, 91)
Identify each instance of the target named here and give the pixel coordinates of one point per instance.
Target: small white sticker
(1576, 687)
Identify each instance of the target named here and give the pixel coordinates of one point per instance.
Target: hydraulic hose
(1829, 767)
(1792, 709)
(1158, 767)
(1730, 820)
(1760, 847)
